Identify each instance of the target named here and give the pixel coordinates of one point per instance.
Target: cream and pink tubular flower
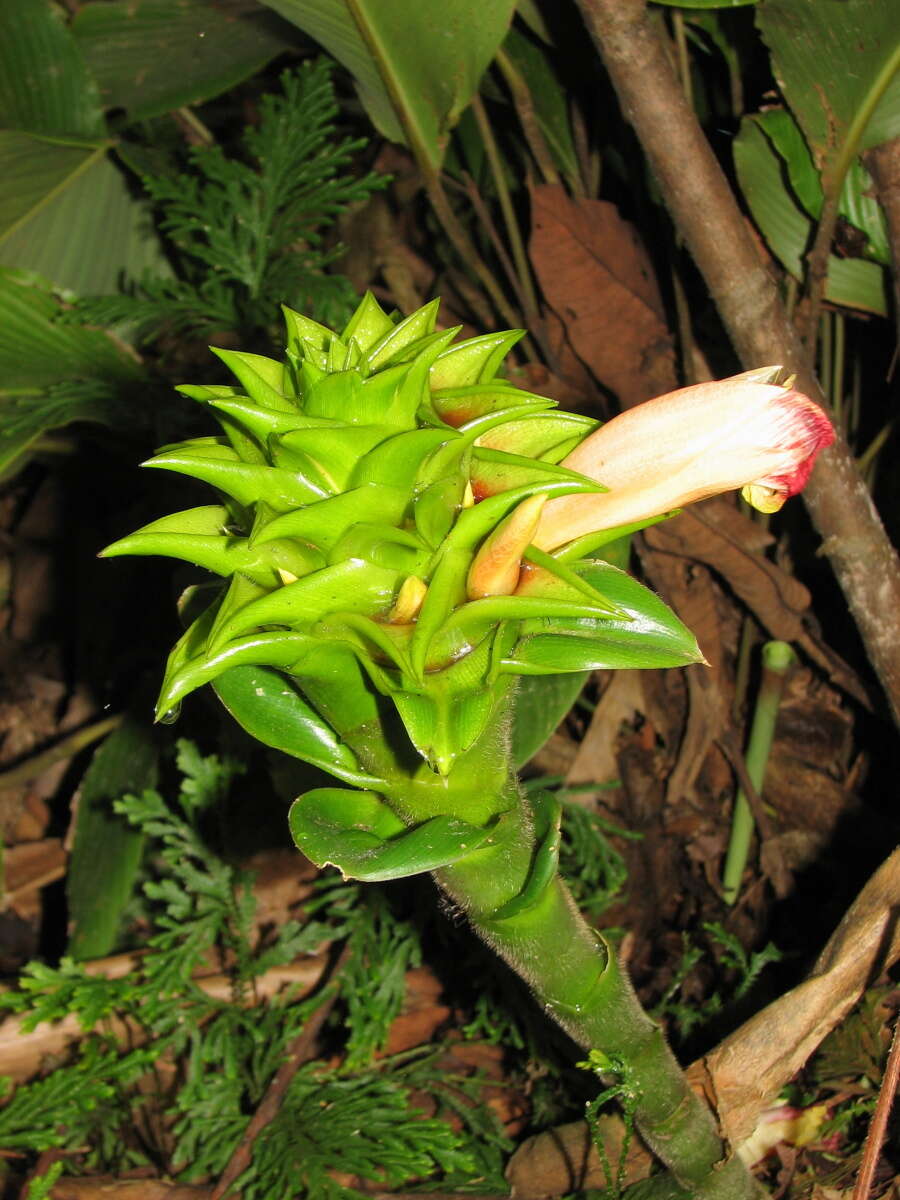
(686, 446)
(746, 432)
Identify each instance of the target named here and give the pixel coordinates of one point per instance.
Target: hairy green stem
(517, 903)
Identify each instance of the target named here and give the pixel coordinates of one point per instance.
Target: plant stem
(579, 982)
(777, 658)
(516, 902)
(524, 104)
(715, 231)
(517, 246)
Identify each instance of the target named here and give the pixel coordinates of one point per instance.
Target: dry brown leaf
(692, 595)
(777, 599)
(103, 1187)
(597, 277)
(32, 865)
(747, 1070)
(595, 761)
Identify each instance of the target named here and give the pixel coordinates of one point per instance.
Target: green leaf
(416, 68)
(34, 169)
(653, 637)
(360, 835)
(857, 202)
(69, 216)
(834, 60)
(45, 85)
(538, 705)
(547, 814)
(324, 523)
(36, 353)
(852, 282)
(270, 708)
(152, 56)
(475, 360)
(106, 850)
(352, 586)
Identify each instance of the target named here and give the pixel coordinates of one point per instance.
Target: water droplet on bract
(171, 715)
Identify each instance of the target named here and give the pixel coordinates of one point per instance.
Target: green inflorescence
(358, 479)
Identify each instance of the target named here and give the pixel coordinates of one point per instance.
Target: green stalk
(516, 245)
(777, 658)
(519, 906)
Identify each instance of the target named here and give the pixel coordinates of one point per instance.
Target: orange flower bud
(495, 571)
(687, 445)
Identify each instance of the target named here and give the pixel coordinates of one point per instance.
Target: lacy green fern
(107, 1108)
(248, 230)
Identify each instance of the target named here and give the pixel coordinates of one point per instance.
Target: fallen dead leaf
(597, 277)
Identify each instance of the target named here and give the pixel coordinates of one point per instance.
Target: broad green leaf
(35, 168)
(416, 66)
(92, 377)
(106, 850)
(653, 637)
(538, 705)
(857, 201)
(853, 282)
(152, 56)
(45, 85)
(36, 350)
(360, 835)
(836, 63)
(74, 219)
(270, 708)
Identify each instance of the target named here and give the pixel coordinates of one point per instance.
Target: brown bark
(708, 218)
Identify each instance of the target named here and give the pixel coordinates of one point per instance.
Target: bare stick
(716, 234)
(298, 1052)
(878, 1127)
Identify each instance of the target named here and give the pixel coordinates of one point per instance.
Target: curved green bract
(270, 709)
(547, 814)
(359, 834)
(359, 475)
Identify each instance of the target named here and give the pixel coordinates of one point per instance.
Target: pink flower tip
(690, 444)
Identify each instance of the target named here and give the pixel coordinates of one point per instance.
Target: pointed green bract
(359, 476)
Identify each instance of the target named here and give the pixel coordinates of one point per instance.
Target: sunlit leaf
(853, 282)
(416, 67)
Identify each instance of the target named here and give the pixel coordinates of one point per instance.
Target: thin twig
(780, 876)
(878, 1126)
(516, 244)
(298, 1052)
(524, 105)
(32, 767)
(483, 214)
